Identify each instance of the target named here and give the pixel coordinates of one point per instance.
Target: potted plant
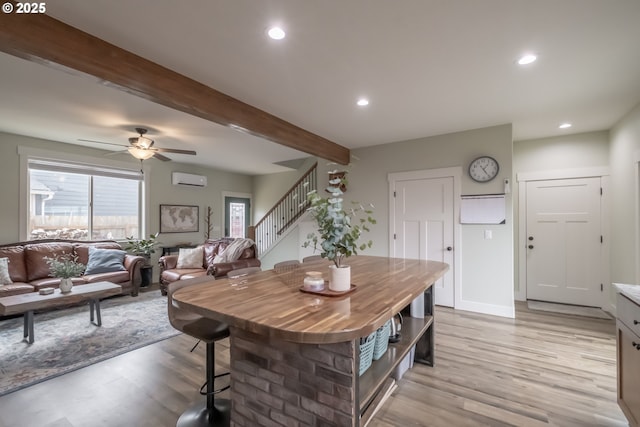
(144, 248)
(338, 231)
(65, 267)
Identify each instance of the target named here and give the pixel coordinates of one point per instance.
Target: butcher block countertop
(270, 302)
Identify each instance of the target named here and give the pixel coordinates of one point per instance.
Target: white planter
(66, 285)
(340, 278)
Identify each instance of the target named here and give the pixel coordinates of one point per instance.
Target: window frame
(80, 163)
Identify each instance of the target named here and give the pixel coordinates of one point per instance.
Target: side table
(168, 250)
(146, 273)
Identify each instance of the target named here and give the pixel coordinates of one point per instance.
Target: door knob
(530, 246)
(530, 237)
(449, 248)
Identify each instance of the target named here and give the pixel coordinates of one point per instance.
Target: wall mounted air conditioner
(181, 178)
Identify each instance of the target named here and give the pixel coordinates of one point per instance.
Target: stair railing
(285, 212)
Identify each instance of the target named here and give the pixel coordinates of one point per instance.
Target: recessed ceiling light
(565, 126)
(276, 33)
(363, 102)
(527, 59)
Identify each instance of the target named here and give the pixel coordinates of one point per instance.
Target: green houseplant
(65, 267)
(339, 229)
(145, 248)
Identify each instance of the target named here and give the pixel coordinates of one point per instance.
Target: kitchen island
(294, 355)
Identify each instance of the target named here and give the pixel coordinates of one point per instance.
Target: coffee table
(26, 303)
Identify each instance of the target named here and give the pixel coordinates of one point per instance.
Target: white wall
(576, 151)
(624, 157)
(563, 152)
(288, 248)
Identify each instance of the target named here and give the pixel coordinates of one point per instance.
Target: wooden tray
(328, 292)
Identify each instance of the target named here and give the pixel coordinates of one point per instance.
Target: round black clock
(484, 169)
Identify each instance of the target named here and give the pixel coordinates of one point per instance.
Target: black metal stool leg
(216, 412)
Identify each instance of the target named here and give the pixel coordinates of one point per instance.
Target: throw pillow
(5, 279)
(190, 257)
(105, 261)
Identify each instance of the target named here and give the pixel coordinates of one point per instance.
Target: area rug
(65, 340)
(575, 310)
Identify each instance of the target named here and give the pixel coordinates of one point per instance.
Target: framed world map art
(179, 219)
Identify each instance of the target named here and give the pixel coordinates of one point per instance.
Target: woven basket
(382, 340)
(366, 352)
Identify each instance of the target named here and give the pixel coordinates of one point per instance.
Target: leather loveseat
(169, 271)
(29, 271)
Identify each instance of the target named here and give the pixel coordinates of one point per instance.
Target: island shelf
(372, 381)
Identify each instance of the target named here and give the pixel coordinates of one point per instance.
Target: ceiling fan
(142, 147)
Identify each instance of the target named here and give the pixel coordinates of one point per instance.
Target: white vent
(180, 178)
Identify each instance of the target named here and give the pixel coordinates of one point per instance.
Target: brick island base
(294, 358)
(276, 382)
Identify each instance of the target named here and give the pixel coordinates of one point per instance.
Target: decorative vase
(65, 285)
(340, 278)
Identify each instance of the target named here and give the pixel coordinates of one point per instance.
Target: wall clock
(484, 169)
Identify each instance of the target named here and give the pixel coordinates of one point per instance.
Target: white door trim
(637, 161)
(523, 178)
(455, 173)
(563, 174)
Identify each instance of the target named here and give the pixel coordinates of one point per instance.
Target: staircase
(285, 213)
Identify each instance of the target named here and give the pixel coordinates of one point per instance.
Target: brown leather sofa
(170, 273)
(30, 272)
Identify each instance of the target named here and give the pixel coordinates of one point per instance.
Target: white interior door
(564, 241)
(423, 227)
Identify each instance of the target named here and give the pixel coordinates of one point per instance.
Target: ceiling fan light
(141, 153)
(144, 142)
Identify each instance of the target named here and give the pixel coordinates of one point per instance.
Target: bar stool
(212, 412)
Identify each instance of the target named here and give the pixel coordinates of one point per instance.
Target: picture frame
(179, 219)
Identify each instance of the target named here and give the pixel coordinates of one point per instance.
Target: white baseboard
(495, 310)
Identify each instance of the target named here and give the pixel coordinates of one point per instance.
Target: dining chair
(290, 263)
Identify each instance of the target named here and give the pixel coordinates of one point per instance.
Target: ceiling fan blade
(174, 150)
(161, 157)
(102, 142)
(111, 153)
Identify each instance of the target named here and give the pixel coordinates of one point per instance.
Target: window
(236, 214)
(236, 218)
(73, 201)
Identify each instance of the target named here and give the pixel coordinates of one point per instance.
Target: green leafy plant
(64, 266)
(338, 229)
(144, 247)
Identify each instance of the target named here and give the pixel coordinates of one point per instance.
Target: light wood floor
(538, 369)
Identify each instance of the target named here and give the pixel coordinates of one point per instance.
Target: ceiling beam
(40, 38)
